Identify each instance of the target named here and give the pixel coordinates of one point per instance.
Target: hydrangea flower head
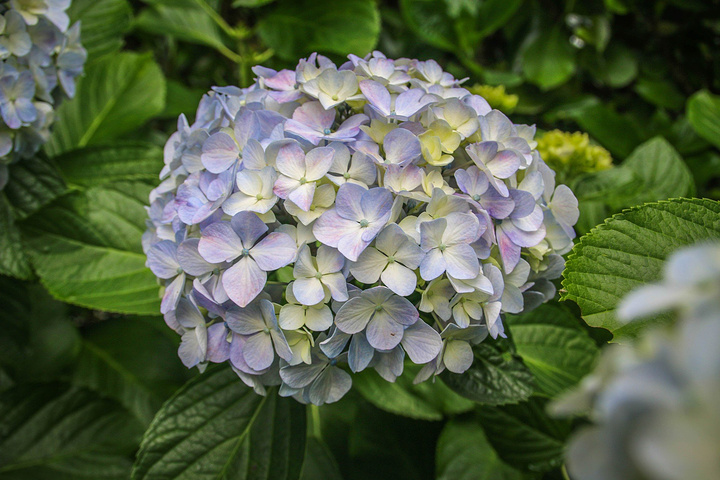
(38, 51)
(333, 218)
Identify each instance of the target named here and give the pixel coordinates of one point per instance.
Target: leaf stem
(315, 427)
(237, 32)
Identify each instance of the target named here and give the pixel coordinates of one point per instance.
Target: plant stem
(238, 32)
(315, 427)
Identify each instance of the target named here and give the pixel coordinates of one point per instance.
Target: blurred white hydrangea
(38, 51)
(655, 402)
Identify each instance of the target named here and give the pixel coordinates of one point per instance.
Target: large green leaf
(661, 171)
(524, 436)
(16, 335)
(627, 251)
(58, 432)
(496, 377)
(216, 427)
(188, 22)
(612, 130)
(703, 111)
(430, 23)
(464, 453)
(295, 28)
(92, 166)
(86, 249)
(132, 360)
(319, 462)
(13, 260)
(103, 24)
(425, 401)
(549, 61)
(117, 95)
(554, 347)
(34, 182)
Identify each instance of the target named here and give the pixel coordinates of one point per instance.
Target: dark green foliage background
(86, 362)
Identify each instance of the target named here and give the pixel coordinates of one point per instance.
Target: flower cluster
(496, 96)
(572, 154)
(655, 401)
(38, 51)
(351, 215)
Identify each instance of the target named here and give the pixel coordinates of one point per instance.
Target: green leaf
(117, 95)
(613, 131)
(181, 99)
(464, 453)
(496, 377)
(13, 260)
(660, 92)
(86, 249)
(492, 15)
(319, 462)
(295, 28)
(133, 361)
(103, 24)
(93, 166)
(58, 432)
(425, 401)
(554, 347)
(251, 3)
(34, 182)
(16, 335)
(629, 250)
(549, 61)
(661, 171)
(430, 23)
(189, 23)
(524, 436)
(216, 427)
(703, 111)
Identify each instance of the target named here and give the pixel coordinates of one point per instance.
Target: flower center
(327, 131)
(346, 175)
(378, 308)
(259, 196)
(476, 197)
(318, 275)
(245, 252)
(364, 223)
(442, 247)
(391, 259)
(335, 97)
(303, 181)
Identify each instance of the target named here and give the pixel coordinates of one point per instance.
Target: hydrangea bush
(351, 215)
(39, 51)
(655, 401)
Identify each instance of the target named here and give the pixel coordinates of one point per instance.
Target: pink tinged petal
(376, 204)
(498, 206)
(377, 95)
(172, 294)
(458, 356)
(330, 386)
(162, 259)
(461, 261)
(360, 353)
(370, 264)
(330, 228)
(401, 147)
(308, 291)
(244, 281)
(522, 238)
(350, 128)
(281, 345)
(300, 376)
(353, 245)
(347, 201)
(314, 116)
(335, 282)
(532, 222)
(383, 333)
(190, 259)
(218, 348)
(509, 251)
(193, 347)
(290, 160)
(236, 354)
(524, 203)
(399, 279)
(482, 153)
(274, 251)
(253, 155)
(258, 351)
(303, 131)
(302, 196)
(496, 126)
(284, 186)
(219, 152)
(505, 164)
(411, 102)
(421, 342)
(564, 206)
(318, 319)
(291, 317)
(248, 227)
(433, 265)
(472, 181)
(354, 315)
(317, 162)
